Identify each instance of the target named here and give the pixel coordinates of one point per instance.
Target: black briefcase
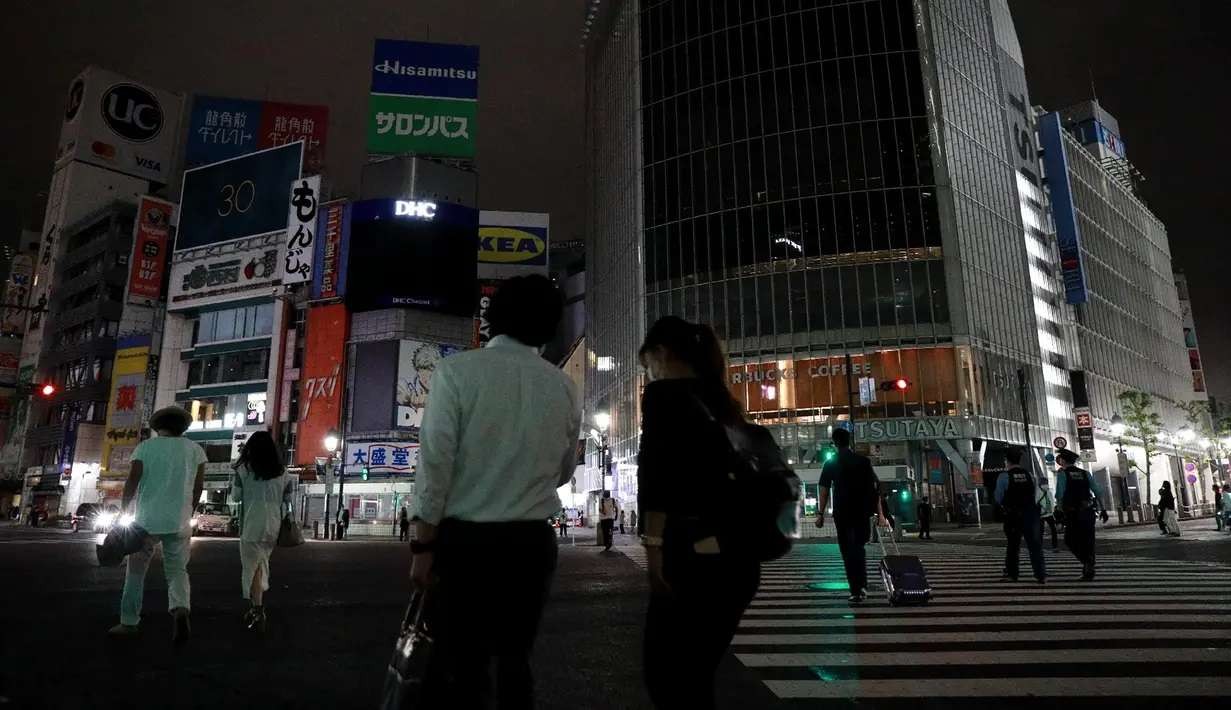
(412, 654)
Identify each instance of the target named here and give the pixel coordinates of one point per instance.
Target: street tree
(1143, 423)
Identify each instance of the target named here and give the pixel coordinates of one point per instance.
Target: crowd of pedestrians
(498, 438)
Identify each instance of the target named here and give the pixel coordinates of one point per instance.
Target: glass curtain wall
(615, 301)
(791, 200)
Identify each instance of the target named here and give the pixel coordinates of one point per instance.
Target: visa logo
(509, 245)
(149, 164)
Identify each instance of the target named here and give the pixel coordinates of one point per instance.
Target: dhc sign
(420, 210)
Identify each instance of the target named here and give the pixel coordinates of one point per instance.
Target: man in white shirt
(499, 437)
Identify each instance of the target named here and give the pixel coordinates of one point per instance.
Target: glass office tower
(834, 187)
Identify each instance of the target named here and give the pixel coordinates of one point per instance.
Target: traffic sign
(1049, 457)
(1192, 478)
(1060, 442)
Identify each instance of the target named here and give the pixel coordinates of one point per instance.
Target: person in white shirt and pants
(499, 436)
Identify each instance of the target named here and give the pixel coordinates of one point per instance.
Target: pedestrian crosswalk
(1143, 630)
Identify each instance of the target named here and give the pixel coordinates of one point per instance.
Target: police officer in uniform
(1015, 494)
(1077, 494)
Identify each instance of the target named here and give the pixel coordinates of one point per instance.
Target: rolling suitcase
(905, 580)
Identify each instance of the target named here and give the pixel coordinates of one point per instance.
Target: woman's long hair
(696, 345)
(261, 456)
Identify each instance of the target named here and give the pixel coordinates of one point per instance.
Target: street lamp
(1118, 427)
(333, 441)
(602, 422)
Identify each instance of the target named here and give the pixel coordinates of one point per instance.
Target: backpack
(760, 519)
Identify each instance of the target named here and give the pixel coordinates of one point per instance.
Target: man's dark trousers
(471, 630)
(1016, 527)
(1079, 536)
(852, 536)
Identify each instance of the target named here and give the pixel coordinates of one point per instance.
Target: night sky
(1159, 67)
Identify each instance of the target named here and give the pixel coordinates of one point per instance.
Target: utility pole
(1023, 391)
(851, 392)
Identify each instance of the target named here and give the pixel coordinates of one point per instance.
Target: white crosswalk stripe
(1144, 628)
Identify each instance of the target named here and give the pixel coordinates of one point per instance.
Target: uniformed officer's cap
(1067, 455)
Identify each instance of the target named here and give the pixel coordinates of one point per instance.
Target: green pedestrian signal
(828, 453)
(905, 494)
(364, 473)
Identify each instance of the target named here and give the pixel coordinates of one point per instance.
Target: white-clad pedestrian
(263, 490)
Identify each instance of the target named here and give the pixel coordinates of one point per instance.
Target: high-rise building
(844, 194)
(1127, 322)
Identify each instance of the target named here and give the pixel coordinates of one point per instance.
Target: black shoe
(1008, 578)
(254, 620)
(1041, 580)
(858, 597)
(181, 627)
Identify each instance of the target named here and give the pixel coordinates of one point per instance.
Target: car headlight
(194, 522)
(106, 520)
(127, 519)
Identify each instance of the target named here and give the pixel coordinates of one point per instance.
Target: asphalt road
(334, 608)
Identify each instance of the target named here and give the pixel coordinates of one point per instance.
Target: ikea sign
(511, 245)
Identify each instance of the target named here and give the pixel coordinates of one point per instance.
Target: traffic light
(48, 389)
(828, 453)
(905, 495)
(363, 473)
(899, 385)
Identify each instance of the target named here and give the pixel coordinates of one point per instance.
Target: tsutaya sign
(911, 429)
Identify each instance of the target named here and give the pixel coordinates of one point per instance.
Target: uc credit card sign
(512, 243)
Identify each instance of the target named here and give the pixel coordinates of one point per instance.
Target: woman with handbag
(1166, 506)
(260, 485)
(699, 587)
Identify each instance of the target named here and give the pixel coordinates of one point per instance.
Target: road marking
(943, 610)
(1071, 620)
(856, 659)
(960, 637)
(933, 688)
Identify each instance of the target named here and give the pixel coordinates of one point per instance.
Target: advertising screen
(221, 128)
(322, 379)
(235, 198)
(151, 242)
(417, 363)
(124, 405)
(412, 254)
(424, 98)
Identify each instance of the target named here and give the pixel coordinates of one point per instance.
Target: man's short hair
(841, 437)
(1067, 456)
(527, 309)
(1013, 455)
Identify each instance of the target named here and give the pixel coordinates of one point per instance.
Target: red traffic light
(48, 389)
(899, 385)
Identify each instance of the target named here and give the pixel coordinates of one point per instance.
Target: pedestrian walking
(1016, 496)
(606, 519)
(1219, 523)
(621, 521)
(1166, 507)
(632, 523)
(698, 590)
(924, 513)
(854, 487)
(165, 481)
(343, 523)
(404, 525)
(1047, 511)
(563, 524)
(260, 484)
(1078, 496)
(499, 437)
(1226, 506)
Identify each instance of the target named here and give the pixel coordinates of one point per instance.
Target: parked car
(214, 519)
(84, 517)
